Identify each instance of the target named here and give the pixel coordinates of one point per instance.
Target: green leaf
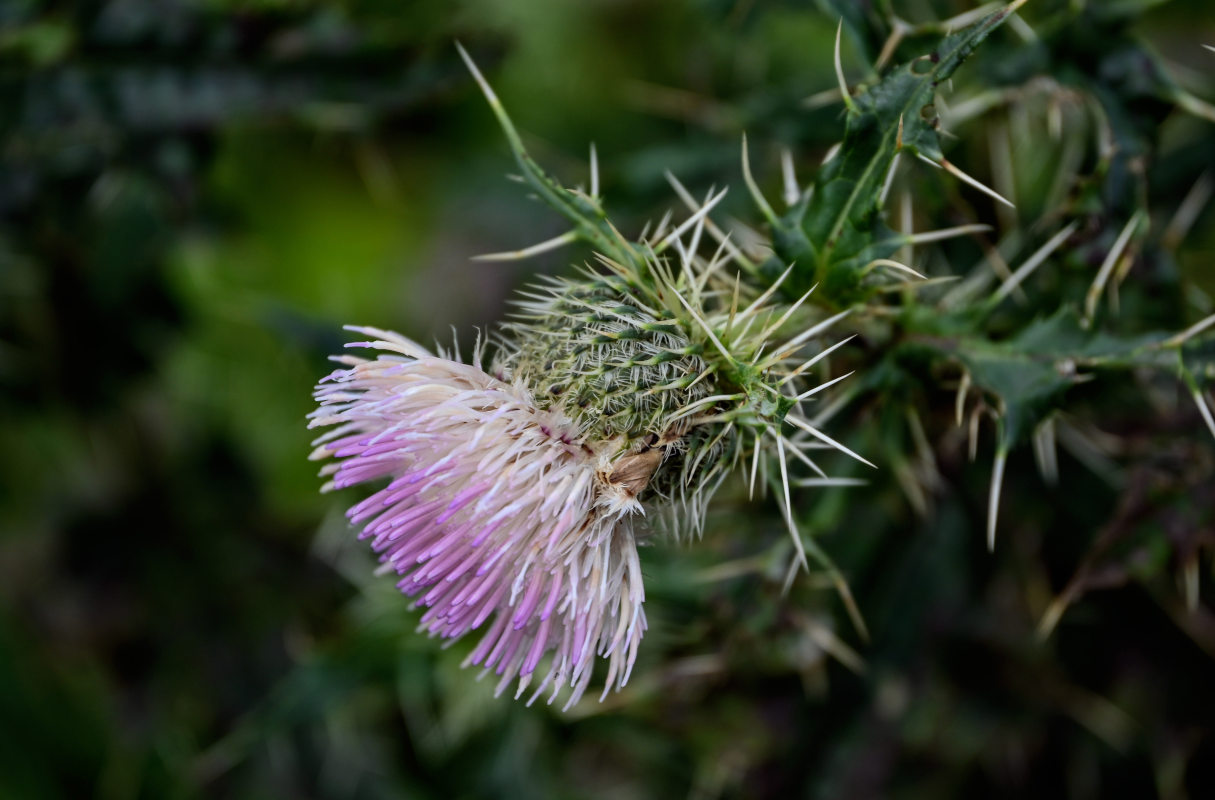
(1029, 373)
(591, 224)
(840, 230)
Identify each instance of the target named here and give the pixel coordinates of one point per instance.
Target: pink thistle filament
(497, 516)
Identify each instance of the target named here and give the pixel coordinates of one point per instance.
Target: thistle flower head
(510, 499)
(511, 496)
(498, 515)
(662, 353)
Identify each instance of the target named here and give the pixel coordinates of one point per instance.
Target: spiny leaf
(839, 230)
(585, 211)
(1029, 373)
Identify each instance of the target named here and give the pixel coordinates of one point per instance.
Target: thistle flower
(512, 496)
(499, 515)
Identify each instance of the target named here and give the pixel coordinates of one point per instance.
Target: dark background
(195, 196)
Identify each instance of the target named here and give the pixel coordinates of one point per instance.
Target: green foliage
(836, 232)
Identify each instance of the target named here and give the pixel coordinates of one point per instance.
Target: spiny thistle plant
(644, 380)
(1005, 358)
(837, 232)
(640, 383)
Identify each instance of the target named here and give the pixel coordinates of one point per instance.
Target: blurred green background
(195, 196)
